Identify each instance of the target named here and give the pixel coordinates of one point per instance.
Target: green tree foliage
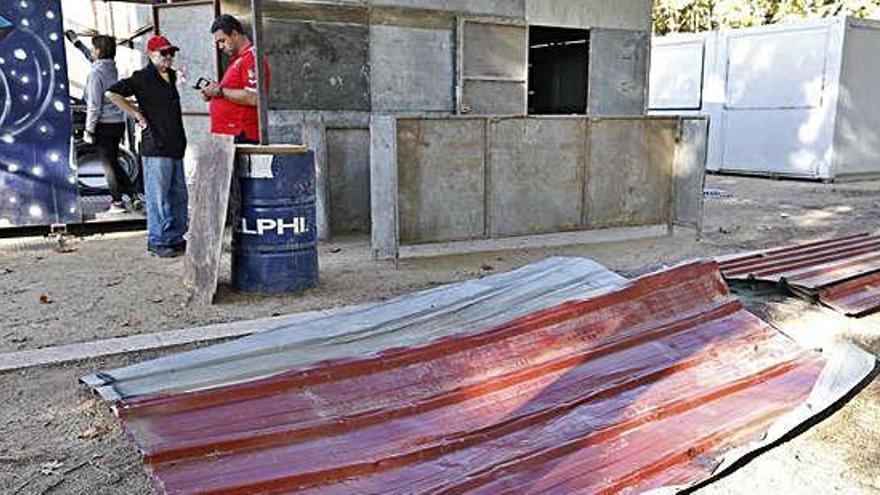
(687, 16)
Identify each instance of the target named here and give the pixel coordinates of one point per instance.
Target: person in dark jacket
(163, 144)
(105, 123)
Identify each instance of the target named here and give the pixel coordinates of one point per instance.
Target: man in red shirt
(233, 102)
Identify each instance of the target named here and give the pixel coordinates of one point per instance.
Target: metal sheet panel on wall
(501, 8)
(348, 163)
(37, 179)
(689, 169)
(412, 69)
(318, 65)
(494, 68)
(630, 172)
(536, 175)
(618, 72)
(581, 14)
(441, 170)
(318, 52)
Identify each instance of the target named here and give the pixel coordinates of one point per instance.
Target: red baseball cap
(159, 43)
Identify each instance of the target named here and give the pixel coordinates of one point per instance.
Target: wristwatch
(220, 90)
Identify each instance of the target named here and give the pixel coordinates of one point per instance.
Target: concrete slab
(318, 65)
(348, 180)
(618, 72)
(493, 98)
(690, 172)
(314, 136)
(411, 69)
(493, 68)
(384, 235)
(621, 14)
(536, 175)
(507, 8)
(494, 50)
(630, 172)
(441, 174)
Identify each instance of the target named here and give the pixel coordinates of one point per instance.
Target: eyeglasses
(168, 53)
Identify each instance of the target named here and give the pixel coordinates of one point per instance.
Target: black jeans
(107, 139)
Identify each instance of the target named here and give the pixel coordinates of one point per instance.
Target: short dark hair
(105, 45)
(227, 24)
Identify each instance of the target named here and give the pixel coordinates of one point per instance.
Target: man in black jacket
(163, 144)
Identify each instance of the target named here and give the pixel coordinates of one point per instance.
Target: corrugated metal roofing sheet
(410, 320)
(842, 273)
(855, 297)
(644, 387)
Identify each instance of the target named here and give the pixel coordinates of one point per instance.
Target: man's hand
(212, 91)
(88, 137)
(141, 120)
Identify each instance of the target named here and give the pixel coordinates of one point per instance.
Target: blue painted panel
(37, 182)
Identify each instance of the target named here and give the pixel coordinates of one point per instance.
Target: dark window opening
(558, 66)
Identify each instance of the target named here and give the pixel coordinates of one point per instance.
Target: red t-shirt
(228, 117)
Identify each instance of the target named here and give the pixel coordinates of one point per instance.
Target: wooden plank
(209, 200)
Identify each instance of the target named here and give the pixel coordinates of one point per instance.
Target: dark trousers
(107, 139)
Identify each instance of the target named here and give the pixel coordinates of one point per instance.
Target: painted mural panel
(37, 178)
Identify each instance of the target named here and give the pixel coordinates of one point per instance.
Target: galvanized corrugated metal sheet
(842, 273)
(644, 387)
(406, 321)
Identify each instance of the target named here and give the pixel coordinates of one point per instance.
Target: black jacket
(159, 102)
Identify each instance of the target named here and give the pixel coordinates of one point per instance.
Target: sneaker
(137, 204)
(116, 207)
(164, 252)
(180, 247)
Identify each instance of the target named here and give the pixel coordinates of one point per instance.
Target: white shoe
(116, 208)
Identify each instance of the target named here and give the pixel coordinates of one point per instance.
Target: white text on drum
(279, 226)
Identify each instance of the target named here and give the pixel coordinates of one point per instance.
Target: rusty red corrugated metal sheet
(644, 387)
(842, 273)
(856, 297)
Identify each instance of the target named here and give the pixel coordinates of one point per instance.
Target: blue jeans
(165, 191)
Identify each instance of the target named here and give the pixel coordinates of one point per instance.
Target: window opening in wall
(558, 66)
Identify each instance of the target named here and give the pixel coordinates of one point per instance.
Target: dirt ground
(57, 438)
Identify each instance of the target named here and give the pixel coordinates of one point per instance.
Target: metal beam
(263, 101)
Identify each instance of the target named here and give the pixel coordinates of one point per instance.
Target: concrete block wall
(462, 178)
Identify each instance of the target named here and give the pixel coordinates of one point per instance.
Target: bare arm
(241, 96)
(127, 107)
(244, 97)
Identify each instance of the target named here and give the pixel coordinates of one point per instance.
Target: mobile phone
(202, 83)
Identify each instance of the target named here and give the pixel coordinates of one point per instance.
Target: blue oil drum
(274, 242)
